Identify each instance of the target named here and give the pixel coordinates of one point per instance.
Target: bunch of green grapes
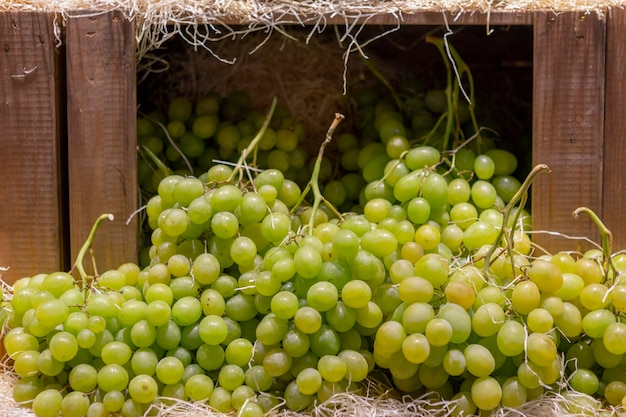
(188, 136)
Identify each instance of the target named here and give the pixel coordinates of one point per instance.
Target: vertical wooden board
(614, 183)
(31, 237)
(568, 113)
(101, 95)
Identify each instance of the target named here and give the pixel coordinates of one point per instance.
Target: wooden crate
(68, 154)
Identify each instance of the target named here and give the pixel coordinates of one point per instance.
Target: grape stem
(450, 55)
(519, 200)
(606, 237)
(253, 144)
(155, 159)
(313, 184)
(78, 264)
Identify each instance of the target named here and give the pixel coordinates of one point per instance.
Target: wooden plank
(31, 233)
(614, 186)
(568, 125)
(101, 86)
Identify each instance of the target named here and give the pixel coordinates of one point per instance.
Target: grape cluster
(412, 261)
(189, 135)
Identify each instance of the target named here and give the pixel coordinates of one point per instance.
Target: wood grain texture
(614, 183)
(31, 235)
(101, 86)
(568, 124)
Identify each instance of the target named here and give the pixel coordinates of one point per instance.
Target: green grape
(46, 363)
(212, 329)
(614, 392)
(308, 262)
(169, 370)
(525, 297)
(331, 368)
(505, 161)
(325, 341)
(113, 401)
(511, 338)
(415, 290)
(594, 296)
(514, 394)
(47, 403)
(322, 296)
(143, 334)
(438, 332)
(186, 311)
(486, 393)
(390, 337)
(484, 167)
(409, 185)
(488, 319)
(51, 313)
(26, 363)
(210, 357)
(539, 320)
(416, 316)
(421, 157)
(454, 362)
(356, 294)
(369, 316)
(400, 367)
(459, 319)
(432, 377)
(572, 286)
(614, 338)
(540, 349)
(479, 360)
(57, 283)
(483, 194)
(433, 268)
(116, 352)
(63, 346)
(75, 404)
(277, 362)
(224, 224)
(271, 330)
(569, 322)
(341, 317)
(131, 312)
(112, 377)
(596, 322)
(143, 389)
(309, 381)
(357, 367)
(461, 293)
(416, 348)
(258, 378)
(463, 214)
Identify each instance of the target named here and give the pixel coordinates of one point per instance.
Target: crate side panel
(101, 85)
(614, 191)
(568, 112)
(30, 221)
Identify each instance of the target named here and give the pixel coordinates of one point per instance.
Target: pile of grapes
(262, 291)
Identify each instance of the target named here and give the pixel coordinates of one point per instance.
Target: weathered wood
(614, 159)
(568, 124)
(101, 86)
(31, 230)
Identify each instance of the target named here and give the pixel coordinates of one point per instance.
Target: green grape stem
(78, 264)
(155, 159)
(313, 184)
(253, 144)
(606, 238)
(519, 200)
(453, 87)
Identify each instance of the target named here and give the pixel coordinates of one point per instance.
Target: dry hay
(309, 77)
(376, 401)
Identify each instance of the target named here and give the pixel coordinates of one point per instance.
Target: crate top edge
(318, 12)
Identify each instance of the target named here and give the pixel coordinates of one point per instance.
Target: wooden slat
(31, 234)
(614, 185)
(101, 85)
(568, 124)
